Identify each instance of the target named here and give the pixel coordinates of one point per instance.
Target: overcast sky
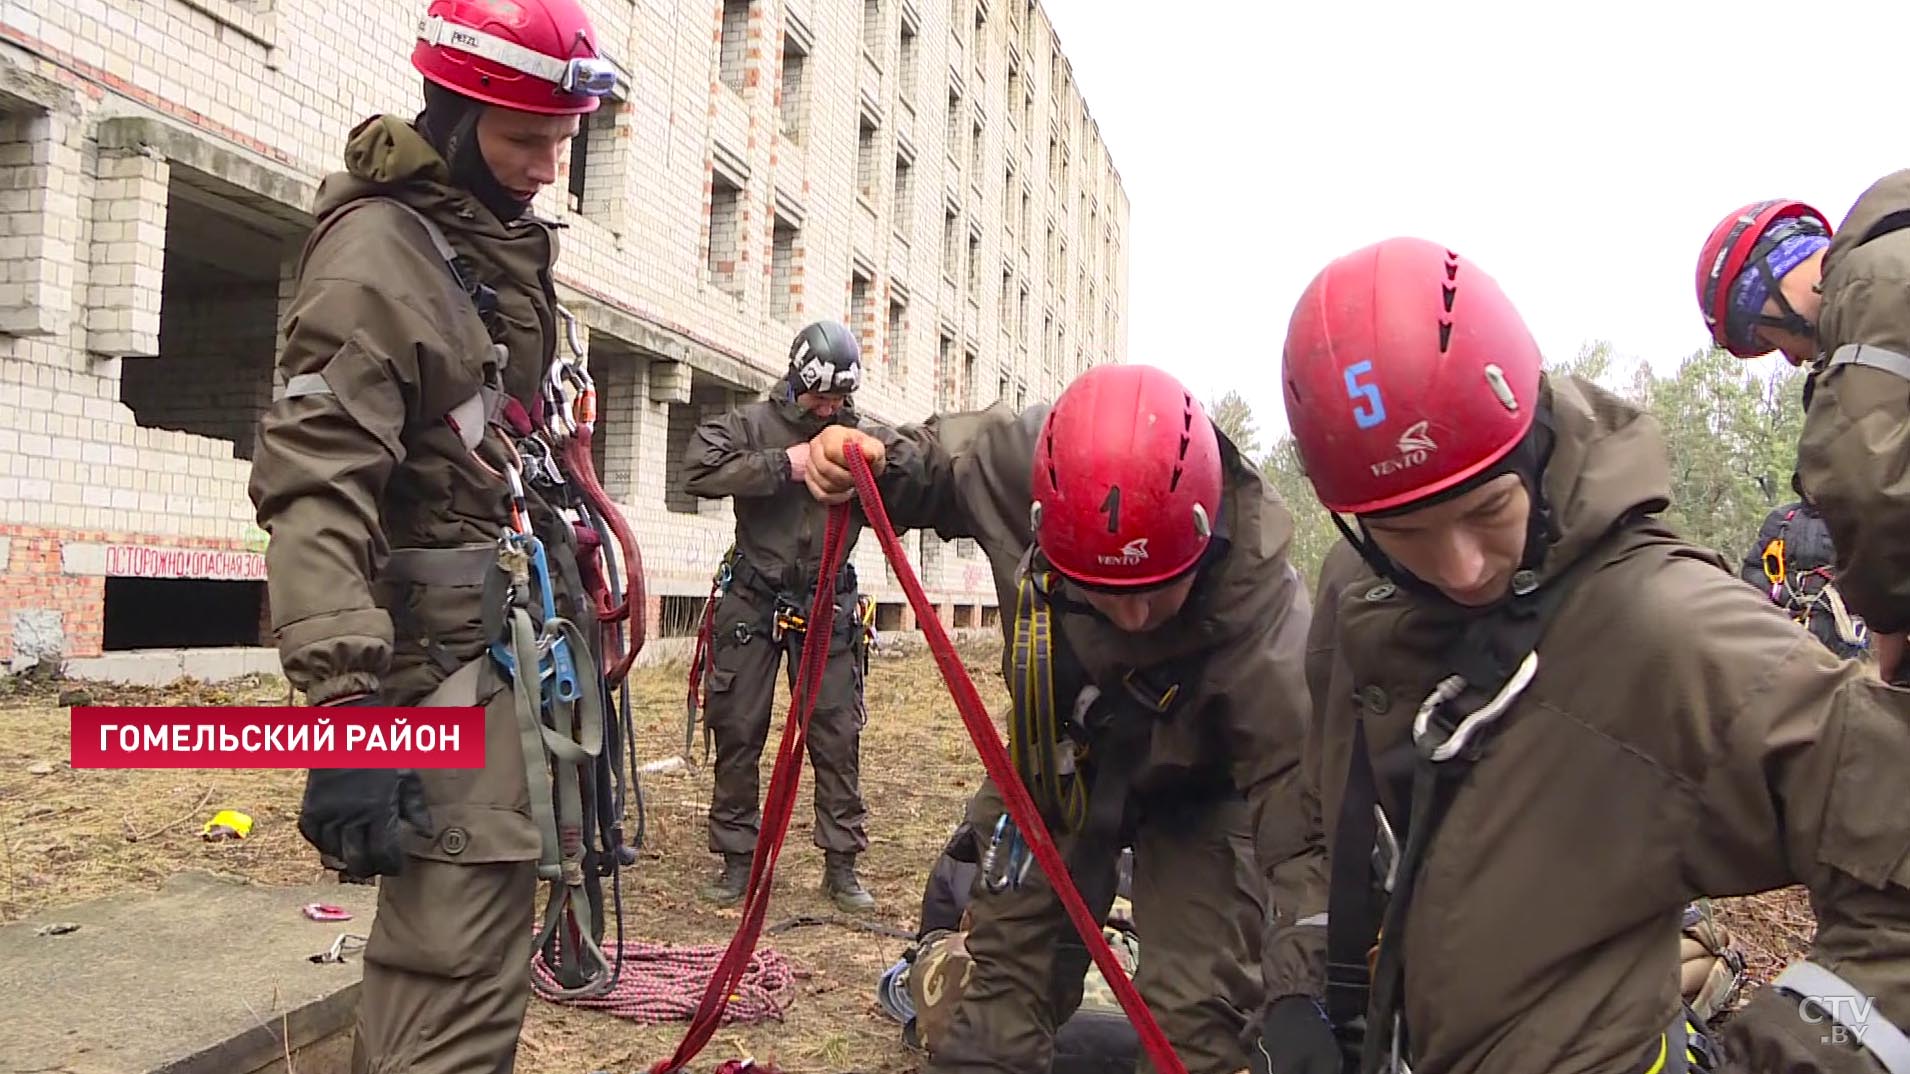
(1577, 153)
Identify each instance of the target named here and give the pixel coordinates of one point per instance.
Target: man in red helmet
(1153, 632)
(1772, 277)
(1544, 723)
(422, 324)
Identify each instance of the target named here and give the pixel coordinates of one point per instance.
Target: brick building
(924, 171)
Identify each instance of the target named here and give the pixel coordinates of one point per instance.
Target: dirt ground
(67, 835)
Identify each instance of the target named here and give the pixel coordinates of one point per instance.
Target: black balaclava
(449, 123)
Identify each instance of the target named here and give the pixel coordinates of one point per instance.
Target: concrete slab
(207, 976)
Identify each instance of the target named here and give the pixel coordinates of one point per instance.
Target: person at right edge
(1156, 631)
(1771, 276)
(1578, 721)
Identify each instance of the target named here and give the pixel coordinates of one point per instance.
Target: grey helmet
(825, 359)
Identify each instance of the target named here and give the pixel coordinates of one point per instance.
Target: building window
(784, 265)
(954, 132)
(795, 91)
(951, 244)
(975, 152)
(1021, 318)
(726, 205)
(907, 62)
(945, 373)
(682, 425)
(1014, 93)
(969, 364)
(902, 211)
(1005, 311)
(872, 29)
(733, 61)
(596, 166)
(898, 342)
(861, 310)
(974, 266)
(865, 158)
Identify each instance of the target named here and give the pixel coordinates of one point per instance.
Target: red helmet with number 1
(1126, 479)
(1407, 373)
(532, 55)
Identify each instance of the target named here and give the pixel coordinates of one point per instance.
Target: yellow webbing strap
(1034, 730)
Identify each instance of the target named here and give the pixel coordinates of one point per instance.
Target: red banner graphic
(277, 737)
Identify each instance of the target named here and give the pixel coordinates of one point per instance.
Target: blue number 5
(1373, 411)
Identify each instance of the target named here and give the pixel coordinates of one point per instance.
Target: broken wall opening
(710, 396)
(218, 319)
(680, 617)
(145, 613)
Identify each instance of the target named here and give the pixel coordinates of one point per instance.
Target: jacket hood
(386, 156)
(1885, 196)
(1608, 463)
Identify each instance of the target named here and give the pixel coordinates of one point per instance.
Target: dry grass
(69, 835)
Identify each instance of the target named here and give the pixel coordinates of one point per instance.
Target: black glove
(1295, 1038)
(352, 815)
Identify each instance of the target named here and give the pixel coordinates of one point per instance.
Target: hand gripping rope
(781, 800)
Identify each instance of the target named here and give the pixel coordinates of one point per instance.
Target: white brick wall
(260, 97)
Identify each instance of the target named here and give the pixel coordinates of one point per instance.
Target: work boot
(840, 884)
(729, 888)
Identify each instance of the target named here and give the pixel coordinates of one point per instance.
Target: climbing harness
(1805, 594)
(563, 609)
(780, 801)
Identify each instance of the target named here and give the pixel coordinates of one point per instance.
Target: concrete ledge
(206, 976)
(158, 667)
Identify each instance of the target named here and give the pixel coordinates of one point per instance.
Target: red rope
(778, 804)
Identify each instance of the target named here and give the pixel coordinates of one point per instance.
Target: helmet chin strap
(1528, 460)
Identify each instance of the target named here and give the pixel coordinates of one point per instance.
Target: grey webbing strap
(1875, 357)
(438, 240)
(1844, 1004)
(462, 565)
(530, 727)
(303, 384)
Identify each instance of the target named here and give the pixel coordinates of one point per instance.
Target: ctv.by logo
(1848, 1017)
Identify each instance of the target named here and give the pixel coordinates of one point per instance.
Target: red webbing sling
(781, 799)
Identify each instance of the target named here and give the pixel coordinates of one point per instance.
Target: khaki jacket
(1853, 459)
(967, 475)
(742, 454)
(367, 463)
(1681, 737)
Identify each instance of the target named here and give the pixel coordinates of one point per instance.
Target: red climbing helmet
(532, 55)
(1126, 479)
(1407, 372)
(1739, 241)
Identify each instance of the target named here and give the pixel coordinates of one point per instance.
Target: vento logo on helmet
(1414, 445)
(1133, 554)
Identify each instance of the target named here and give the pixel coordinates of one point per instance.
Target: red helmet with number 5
(1744, 240)
(531, 55)
(1407, 372)
(1126, 479)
